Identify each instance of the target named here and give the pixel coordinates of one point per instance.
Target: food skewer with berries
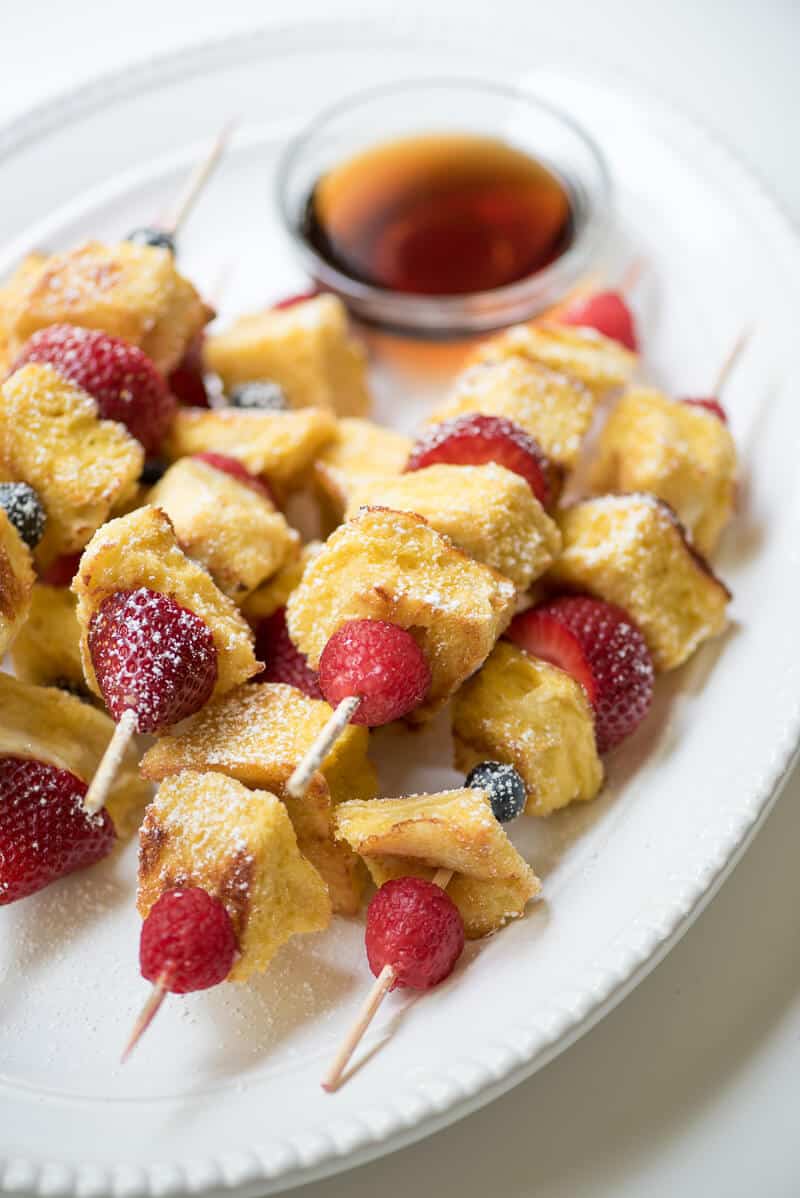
(415, 931)
(158, 636)
(378, 576)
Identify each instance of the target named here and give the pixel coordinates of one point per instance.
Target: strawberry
(600, 646)
(475, 439)
(284, 662)
(301, 297)
(45, 831)
(121, 379)
(607, 313)
(152, 656)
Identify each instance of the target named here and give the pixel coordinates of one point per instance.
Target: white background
(691, 1085)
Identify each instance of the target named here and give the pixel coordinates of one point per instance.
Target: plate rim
(305, 1158)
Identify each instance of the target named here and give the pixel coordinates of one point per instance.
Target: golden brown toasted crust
(140, 550)
(633, 551)
(388, 565)
(47, 651)
(80, 466)
(257, 734)
(306, 349)
(281, 446)
(203, 829)
(131, 291)
(535, 717)
(679, 452)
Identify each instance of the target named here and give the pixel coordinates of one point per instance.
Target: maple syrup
(444, 215)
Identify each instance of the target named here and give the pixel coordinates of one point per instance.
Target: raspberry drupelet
(45, 831)
(121, 379)
(476, 439)
(372, 672)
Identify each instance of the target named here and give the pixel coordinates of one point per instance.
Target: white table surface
(691, 1086)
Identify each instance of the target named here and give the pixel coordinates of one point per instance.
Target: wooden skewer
(197, 181)
(380, 988)
(103, 780)
(321, 746)
(147, 1014)
(731, 358)
(631, 275)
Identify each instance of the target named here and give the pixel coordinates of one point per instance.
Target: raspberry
(415, 927)
(300, 298)
(121, 379)
(187, 381)
(378, 661)
(24, 509)
(475, 439)
(233, 467)
(710, 405)
(61, 570)
(188, 939)
(45, 832)
(152, 656)
(600, 646)
(284, 662)
(607, 313)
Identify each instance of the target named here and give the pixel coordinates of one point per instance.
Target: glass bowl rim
(447, 314)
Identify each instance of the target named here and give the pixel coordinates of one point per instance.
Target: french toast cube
(682, 453)
(306, 348)
(29, 266)
(553, 408)
(279, 445)
(388, 565)
(453, 830)
(47, 651)
(131, 291)
(16, 583)
(525, 712)
(275, 592)
(257, 734)
(599, 363)
(236, 533)
(81, 467)
(489, 512)
(360, 452)
(141, 550)
(633, 551)
(206, 830)
(53, 726)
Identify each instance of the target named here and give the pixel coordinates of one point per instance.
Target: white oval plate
(224, 1090)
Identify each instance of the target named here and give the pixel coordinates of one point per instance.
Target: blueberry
(24, 509)
(160, 238)
(153, 470)
(503, 785)
(262, 394)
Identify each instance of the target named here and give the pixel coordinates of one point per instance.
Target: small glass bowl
(450, 106)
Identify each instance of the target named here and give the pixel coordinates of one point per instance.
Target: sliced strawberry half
(237, 470)
(477, 439)
(598, 644)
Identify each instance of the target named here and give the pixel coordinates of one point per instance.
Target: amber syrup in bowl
(444, 208)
